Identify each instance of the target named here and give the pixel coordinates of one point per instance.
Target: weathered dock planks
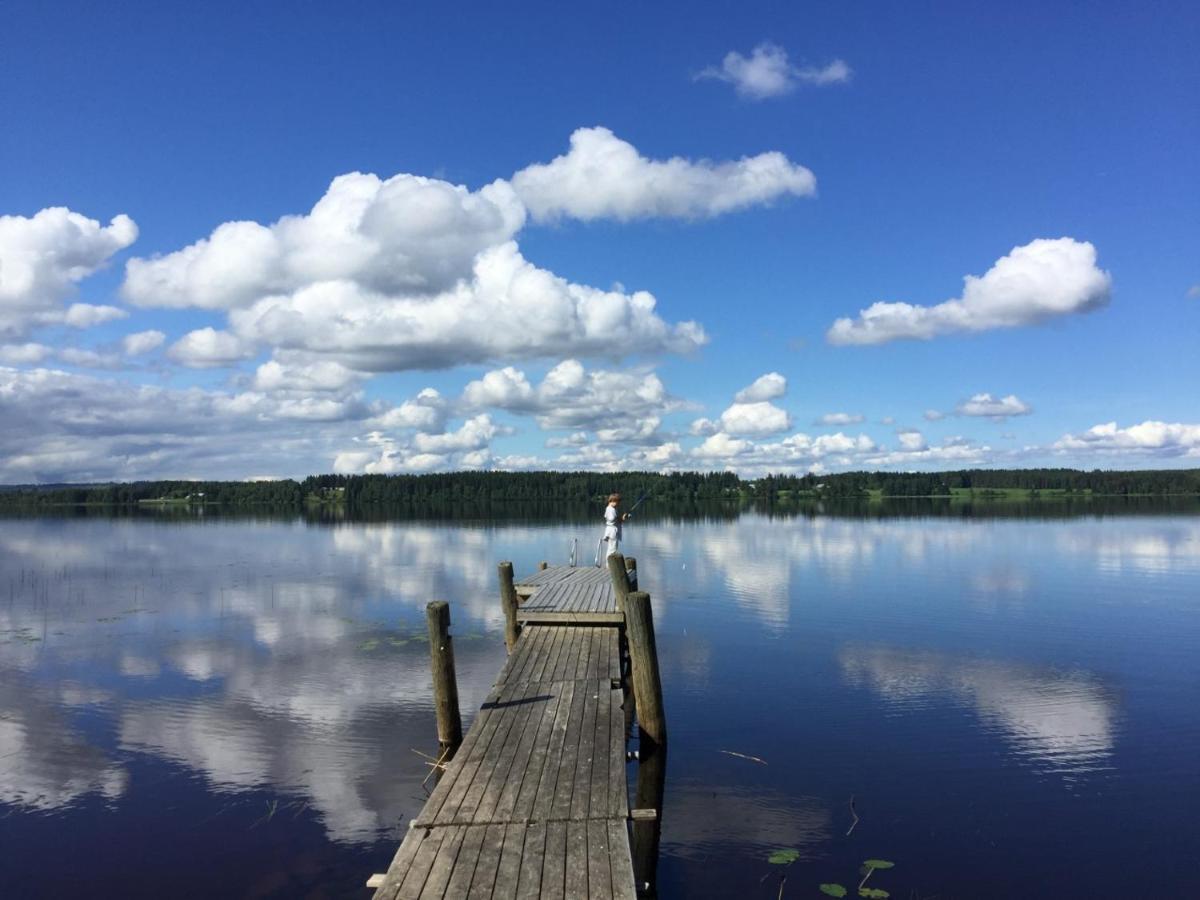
(535, 802)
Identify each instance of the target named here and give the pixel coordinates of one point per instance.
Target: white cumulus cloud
(721, 446)
(62, 426)
(1148, 438)
(474, 434)
(425, 412)
(840, 419)
(616, 405)
(767, 72)
(766, 387)
(798, 452)
(1035, 282)
(304, 376)
(509, 309)
(209, 348)
(997, 409)
(506, 388)
(754, 419)
(23, 354)
(142, 342)
(407, 235)
(604, 177)
(407, 273)
(468, 447)
(90, 359)
(43, 257)
(911, 439)
(88, 315)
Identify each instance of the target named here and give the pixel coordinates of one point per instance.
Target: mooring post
(445, 684)
(620, 579)
(643, 655)
(508, 599)
(631, 570)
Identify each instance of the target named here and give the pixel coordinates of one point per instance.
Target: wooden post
(508, 599)
(543, 565)
(631, 569)
(445, 684)
(620, 579)
(643, 654)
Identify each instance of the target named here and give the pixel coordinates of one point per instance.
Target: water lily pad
(877, 893)
(878, 864)
(833, 890)
(783, 857)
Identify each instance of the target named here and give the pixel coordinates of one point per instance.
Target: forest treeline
(366, 491)
(984, 482)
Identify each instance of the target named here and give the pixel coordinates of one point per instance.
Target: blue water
(237, 708)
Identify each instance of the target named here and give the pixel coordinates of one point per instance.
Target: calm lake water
(218, 707)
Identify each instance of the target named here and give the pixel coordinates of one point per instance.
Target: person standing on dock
(613, 517)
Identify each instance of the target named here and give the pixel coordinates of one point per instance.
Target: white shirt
(612, 522)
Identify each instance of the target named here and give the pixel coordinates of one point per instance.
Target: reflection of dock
(535, 800)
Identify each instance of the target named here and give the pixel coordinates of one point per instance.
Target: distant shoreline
(582, 490)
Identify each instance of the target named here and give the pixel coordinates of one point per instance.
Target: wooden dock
(535, 801)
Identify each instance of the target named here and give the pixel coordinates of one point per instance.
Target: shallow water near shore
(236, 707)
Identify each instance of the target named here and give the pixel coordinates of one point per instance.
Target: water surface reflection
(278, 657)
(45, 763)
(1063, 722)
(253, 690)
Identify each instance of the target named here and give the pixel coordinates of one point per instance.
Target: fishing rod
(640, 500)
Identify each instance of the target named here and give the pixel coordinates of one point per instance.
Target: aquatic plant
(833, 889)
(868, 868)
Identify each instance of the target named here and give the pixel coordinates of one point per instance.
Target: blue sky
(761, 174)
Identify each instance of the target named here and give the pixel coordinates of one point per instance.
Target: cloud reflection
(1063, 722)
(765, 563)
(45, 763)
(304, 643)
(241, 650)
(1153, 548)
